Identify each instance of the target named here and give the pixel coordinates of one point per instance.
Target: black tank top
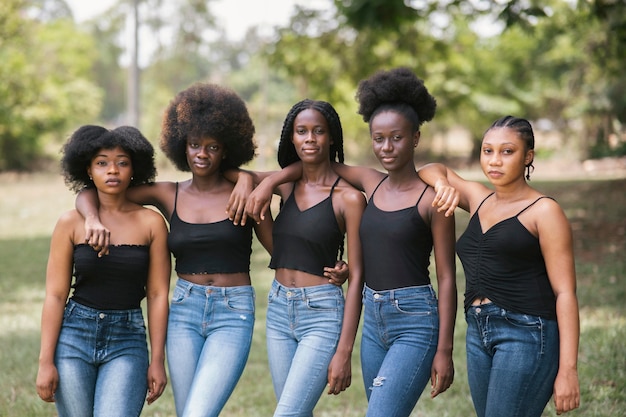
(113, 282)
(209, 248)
(396, 246)
(306, 240)
(505, 264)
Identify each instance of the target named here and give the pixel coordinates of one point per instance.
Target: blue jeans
(208, 341)
(512, 361)
(398, 344)
(102, 360)
(303, 328)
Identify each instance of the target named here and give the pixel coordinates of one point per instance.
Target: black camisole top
(396, 246)
(505, 264)
(306, 240)
(209, 248)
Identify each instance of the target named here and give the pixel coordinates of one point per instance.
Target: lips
(113, 181)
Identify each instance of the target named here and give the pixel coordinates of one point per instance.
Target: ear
(89, 172)
(416, 138)
(530, 157)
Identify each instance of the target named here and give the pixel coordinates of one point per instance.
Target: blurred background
(559, 63)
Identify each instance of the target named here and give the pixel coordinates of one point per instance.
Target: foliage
(46, 87)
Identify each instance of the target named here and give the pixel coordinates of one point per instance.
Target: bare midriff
(296, 279)
(218, 280)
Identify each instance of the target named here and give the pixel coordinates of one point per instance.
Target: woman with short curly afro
(103, 312)
(206, 130)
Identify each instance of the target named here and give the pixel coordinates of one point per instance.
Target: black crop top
(209, 248)
(113, 282)
(396, 246)
(505, 264)
(306, 240)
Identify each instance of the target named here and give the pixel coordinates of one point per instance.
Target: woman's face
(311, 136)
(204, 155)
(503, 155)
(393, 140)
(111, 170)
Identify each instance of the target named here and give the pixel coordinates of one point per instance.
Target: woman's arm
(555, 238)
(157, 292)
(97, 236)
(339, 369)
(259, 200)
(362, 178)
(263, 231)
(58, 281)
(451, 189)
(442, 371)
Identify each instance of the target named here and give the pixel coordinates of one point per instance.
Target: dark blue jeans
(102, 359)
(512, 361)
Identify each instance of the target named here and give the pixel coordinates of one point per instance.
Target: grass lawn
(30, 206)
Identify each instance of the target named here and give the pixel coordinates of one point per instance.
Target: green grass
(30, 206)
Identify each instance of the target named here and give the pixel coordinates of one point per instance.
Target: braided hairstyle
(84, 144)
(208, 110)
(525, 132)
(287, 154)
(398, 90)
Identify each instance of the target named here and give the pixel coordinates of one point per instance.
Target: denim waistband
(303, 292)
(96, 314)
(191, 287)
(398, 293)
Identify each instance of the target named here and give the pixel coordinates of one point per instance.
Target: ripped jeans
(398, 345)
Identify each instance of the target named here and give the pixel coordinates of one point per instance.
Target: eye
(397, 137)
(214, 148)
(507, 151)
(377, 139)
(319, 131)
(300, 131)
(123, 163)
(101, 163)
(486, 151)
(192, 145)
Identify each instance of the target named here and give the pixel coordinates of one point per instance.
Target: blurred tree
(45, 89)
(555, 59)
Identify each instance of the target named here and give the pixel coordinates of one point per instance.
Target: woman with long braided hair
(310, 327)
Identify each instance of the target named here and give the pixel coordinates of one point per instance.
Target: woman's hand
(566, 392)
(238, 197)
(338, 274)
(447, 197)
(97, 236)
(157, 380)
(441, 373)
(339, 373)
(47, 382)
(259, 201)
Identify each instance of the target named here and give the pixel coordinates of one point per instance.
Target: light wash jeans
(512, 361)
(399, 341)
(102, 360)
(303, 328)
(208, 342)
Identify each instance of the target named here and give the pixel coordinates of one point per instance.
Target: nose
(202, 152)
(113, 168)
(387, 145)
(495, 159)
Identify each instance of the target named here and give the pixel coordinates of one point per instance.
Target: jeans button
(376, 296)
(102, 315)
(478, 310)
(288, 293)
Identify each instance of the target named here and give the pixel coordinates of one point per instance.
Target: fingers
(337, 385)
(46, 392)
(446, 200)
(99, 240)
(155, 390)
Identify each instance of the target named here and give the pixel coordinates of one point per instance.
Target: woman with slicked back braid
(520, 294)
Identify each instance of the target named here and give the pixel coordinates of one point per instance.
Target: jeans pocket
(323, 303)
(523, 320)
(241, 303)
(180, 294)
(413, 306)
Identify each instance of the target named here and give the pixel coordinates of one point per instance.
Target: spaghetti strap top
(306, 240)
(505, 264)
(209, 248)
(396, 246)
